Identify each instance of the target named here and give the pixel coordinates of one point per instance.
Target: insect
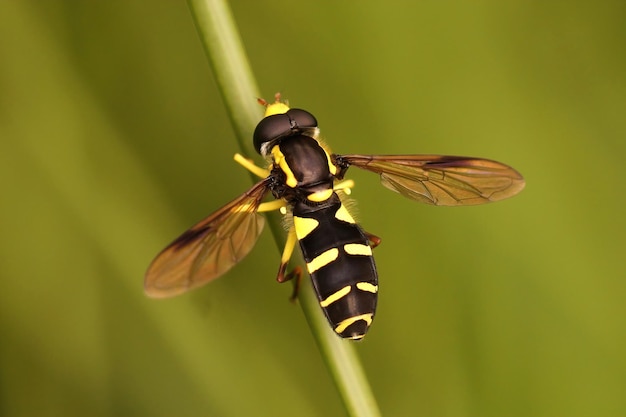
(307, 180)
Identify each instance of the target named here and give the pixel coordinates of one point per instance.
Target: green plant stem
(238, 88)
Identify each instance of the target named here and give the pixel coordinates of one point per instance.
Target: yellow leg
(345, 186)
(291, 236)
(297, 271)
(287, 252)
(250, 166)
(271, 206)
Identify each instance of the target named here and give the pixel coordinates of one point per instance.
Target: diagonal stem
(238, 88)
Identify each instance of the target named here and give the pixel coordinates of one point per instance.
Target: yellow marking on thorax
(366, 286)
(304, 226)
(343, 215)
(336, 296)
(322, 260)
(319, 196)
(357, 249)
(350, 320)
(279, 159)
(331, 166)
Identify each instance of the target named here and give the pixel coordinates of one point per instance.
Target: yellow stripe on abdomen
(341, 327)
(343, 215)
(366, 286)
(357, 249)
(322, 260)
(336, 296)
(304, 226)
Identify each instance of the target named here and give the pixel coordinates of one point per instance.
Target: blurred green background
(114, 139)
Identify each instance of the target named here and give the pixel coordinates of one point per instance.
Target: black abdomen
(340, 262)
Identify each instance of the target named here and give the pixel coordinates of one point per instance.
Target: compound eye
(270, 128)
(277, 126)
(302, 118)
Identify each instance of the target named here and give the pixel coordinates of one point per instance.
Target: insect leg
(297, 274)
(297, 271)
(373, 239)
(271, 206)
(345, 186)
(250, 166)
(287, 252)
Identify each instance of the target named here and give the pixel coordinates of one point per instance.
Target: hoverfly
(307, 180)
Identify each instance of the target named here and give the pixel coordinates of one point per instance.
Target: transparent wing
(441, 180)
(208, 249)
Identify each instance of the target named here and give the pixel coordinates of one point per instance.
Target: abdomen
(339, 260)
